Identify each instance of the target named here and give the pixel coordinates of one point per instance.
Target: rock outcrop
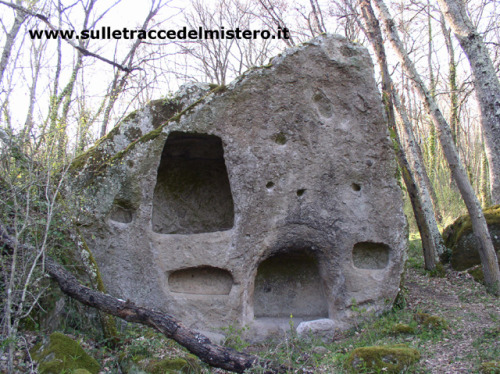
(272, 197)
(462, 244)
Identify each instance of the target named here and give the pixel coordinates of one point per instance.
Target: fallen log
(198, 344)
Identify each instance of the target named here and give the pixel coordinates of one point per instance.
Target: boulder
(462, 244)
(320, 328)
(248, 203)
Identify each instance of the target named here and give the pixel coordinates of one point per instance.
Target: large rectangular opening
(192, 193)
(290, 284)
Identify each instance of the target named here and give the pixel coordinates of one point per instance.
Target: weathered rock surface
(321, 328)
(244, 205)
(462, 243)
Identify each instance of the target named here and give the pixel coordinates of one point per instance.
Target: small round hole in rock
(356, 187)
(280, 138)
(269, 185)
(301, 192)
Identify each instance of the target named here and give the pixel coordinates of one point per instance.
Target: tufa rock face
(271, 197)
(462, 243)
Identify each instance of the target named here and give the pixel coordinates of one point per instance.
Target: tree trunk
(198, 344)
(410, 160)
(9, 41)
(486, 84)
(452, 79)
(484, 185)
(486, 250)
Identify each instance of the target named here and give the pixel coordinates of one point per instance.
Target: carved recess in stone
(368, 255)
(205, 280)
(323, 104)
(289, 283)
(192, 193)
(121, 212)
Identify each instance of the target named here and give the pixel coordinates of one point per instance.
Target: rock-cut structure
(246, 204)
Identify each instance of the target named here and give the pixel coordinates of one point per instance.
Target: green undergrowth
(416, 258)
(415, 254)
(144, 350)
(486, 344)
(490, 367)
(410, 330)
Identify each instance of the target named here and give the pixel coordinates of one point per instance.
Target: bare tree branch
(82, 50)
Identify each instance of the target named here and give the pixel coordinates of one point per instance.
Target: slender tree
(452, 79)
(486, 84)
(46, 20)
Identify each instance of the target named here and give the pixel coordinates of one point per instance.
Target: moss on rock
(490, 367)
(434, 322)
(108, 322)
(97, 158)
(219, 89)
(280, 138)
(463, 225)
(389, 359)
(438, 272)
(402, 328)
(169, 365)
(477, 273)
(63, 354)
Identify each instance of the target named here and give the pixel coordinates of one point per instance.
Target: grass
(486, 344)
(375, 331)
(415, 252)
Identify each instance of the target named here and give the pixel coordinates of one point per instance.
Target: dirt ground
(473, 317)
